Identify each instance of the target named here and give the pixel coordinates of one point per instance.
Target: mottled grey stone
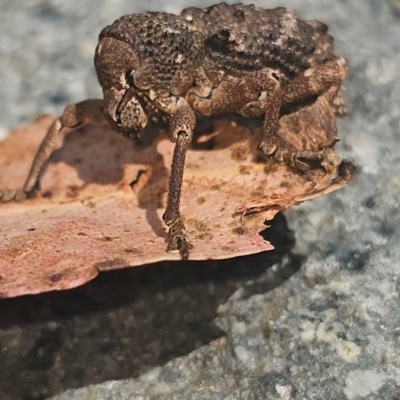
(319, 320)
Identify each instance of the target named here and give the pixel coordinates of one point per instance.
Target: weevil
(166, 69)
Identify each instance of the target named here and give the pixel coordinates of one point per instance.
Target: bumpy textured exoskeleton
(167, 68)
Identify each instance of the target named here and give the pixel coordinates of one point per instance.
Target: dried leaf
(102, 199)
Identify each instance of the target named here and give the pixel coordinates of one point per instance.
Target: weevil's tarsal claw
(177, 240)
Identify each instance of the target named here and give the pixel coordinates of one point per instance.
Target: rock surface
(316, 319)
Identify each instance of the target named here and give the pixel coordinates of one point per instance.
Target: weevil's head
(140, 54)
(116, 62)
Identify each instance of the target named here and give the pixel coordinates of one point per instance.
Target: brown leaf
(102, 199)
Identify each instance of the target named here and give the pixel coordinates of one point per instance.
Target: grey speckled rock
(331, 330)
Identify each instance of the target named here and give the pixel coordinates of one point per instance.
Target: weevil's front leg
(74, 116)
(181, 125)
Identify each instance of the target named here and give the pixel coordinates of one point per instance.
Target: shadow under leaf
(125, 322)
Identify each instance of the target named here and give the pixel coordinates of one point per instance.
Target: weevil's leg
(323, 80)
(181, 125)
(314, 127)
(270, 140)
(268, 104)
(252, 95)
(74, 116)
(314, 82)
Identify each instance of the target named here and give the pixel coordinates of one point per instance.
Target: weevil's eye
(129, 77)
(275, 76)
(224, 34)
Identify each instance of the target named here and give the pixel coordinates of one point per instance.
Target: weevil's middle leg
(73, 117)
(182, 123)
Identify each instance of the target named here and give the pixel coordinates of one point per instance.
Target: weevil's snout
(124, 112)
(115, 62)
